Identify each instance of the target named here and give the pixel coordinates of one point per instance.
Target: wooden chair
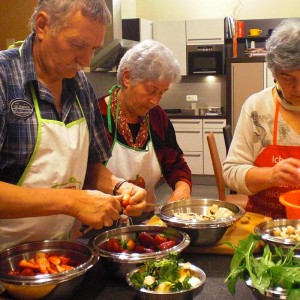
(227, 132)
(237, 199)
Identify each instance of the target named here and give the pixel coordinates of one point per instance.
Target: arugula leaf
(271, 269)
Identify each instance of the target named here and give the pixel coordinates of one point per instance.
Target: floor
(198, 191)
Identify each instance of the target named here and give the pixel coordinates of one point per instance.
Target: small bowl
(113, 261)
(267, 231)
(275, 293)
(270, 294)
(202, 233)
(291, 201)
(51, 286)
(179, 295)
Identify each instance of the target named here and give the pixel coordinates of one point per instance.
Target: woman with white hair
(141, 136)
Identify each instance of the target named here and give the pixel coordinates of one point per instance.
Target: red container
(240, 29)
(291, 201)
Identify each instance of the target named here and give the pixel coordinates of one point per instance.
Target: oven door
(205, 62)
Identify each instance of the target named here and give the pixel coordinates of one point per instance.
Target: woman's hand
(182, 191)
(286, 172)
(137, 201)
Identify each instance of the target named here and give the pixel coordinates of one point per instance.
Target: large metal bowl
(112, 262)
(179, 295)
(202, 233)
(267, 231)
(51, 286)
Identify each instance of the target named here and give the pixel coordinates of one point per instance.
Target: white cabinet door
(216, 127)
(205, 32)
(189, 138)
(172, 35)
(146, 30)
(242, 87)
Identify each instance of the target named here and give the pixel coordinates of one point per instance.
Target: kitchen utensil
(179, 295)
(53, 286)
(202, 233)
(291, 201)
(270, 230)
(236, 232)
(113, 261)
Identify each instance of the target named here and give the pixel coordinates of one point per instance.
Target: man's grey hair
(283, 46)
(149, 60)
(59, 11)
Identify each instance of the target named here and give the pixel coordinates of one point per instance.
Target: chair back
(217, 166)
(227, 132)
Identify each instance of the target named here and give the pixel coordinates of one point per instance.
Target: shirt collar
(27, 59)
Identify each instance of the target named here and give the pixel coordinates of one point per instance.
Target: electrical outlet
(191, 98)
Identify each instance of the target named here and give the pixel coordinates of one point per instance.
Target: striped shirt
(18, 121)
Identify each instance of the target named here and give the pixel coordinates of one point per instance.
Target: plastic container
(291, 201)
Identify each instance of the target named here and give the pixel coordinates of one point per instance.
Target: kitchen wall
(14, 16)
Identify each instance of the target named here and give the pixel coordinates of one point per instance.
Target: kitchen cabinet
(245, 77)
(205, 32)
(172, 34)
(189, 138)
(137, 29)
(216, 127)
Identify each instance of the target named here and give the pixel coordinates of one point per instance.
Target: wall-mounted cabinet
(172, 34)
(137, 29)
(205, 32)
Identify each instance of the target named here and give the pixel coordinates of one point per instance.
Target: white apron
(127, 162)
(59, 160)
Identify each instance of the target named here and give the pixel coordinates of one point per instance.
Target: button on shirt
(18, 123)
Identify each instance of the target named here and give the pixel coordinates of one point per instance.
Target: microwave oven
(205, 60)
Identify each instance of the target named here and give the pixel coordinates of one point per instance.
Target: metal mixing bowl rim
(46, 279)
(192, 267)
(276, 292)
(259, 229)
(193, 224)
(140, 257)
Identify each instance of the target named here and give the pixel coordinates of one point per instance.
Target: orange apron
(266, 202)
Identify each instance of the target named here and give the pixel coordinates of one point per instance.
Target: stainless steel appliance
(205, 59)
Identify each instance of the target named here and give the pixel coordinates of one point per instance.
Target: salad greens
(269, 270)
(165, 270)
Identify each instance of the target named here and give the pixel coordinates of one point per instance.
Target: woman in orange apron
(264, 157)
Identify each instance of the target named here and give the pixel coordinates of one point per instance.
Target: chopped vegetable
(164, 276)
(268, 271)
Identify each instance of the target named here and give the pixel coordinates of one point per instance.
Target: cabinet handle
(213, 122)
(214, 132)
(193, 155)
(187, 122)
(188, 131)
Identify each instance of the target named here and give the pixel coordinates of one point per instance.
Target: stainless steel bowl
(202, 233)
(118, 264)
(274, 293)
(180, 295)
(267, 229)
(270, 294)
(50, 286)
